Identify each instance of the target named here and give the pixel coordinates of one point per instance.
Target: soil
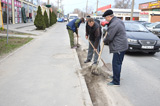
(96, 84)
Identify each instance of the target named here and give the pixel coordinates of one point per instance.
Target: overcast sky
(70, 5)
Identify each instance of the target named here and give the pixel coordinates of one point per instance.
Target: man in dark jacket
(93, 31)
(118, 44)
(73, 27)
(88, 27)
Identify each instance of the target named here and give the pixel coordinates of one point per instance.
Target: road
(140, 75)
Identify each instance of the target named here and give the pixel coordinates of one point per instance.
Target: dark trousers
(91, 52)
(116, 65)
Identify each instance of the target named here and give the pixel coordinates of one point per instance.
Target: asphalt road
(140, 77)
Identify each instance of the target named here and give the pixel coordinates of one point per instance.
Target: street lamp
(48, 5)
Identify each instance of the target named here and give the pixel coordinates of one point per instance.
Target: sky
(70, 5)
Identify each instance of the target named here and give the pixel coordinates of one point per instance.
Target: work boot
(112, 84)
(78, 45)
(87, 61)
(110, 78)
(74, 47)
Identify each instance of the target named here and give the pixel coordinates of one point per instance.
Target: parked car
(65, 18)
(105, 29)
(145, 24)
(141, 22)
(103, 23)
(155, 28)
(140, 39)
(60, 19)
(72, 16)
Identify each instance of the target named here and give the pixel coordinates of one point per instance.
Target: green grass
(13, 43)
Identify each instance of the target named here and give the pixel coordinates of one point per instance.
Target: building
(123, 14)
(15, 13)
(150, 11)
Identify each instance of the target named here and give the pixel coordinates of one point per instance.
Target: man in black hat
(117, 41)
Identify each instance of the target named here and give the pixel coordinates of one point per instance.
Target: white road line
(155, 58)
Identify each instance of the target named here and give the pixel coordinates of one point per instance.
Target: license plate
(147, 47)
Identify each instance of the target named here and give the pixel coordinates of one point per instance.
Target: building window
(30, 13)
(35, 2)
(4, 10)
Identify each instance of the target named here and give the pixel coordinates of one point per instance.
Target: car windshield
(135, 27)
(73, 17)
(152, 25)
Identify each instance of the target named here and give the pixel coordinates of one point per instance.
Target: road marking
(155, 58)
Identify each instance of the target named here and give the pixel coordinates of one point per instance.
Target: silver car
(154, 28)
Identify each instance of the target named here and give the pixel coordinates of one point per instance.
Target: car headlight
(132, 40)
(158, 42)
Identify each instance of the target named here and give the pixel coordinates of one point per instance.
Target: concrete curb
(85, 92)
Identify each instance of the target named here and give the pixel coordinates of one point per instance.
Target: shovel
(94, 67)
(96, 52)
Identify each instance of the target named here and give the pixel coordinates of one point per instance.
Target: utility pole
(7, 20)
(97, 5)
(97, 8)
(86, 8)
(48, 1)
(58, 7)
(132, 10)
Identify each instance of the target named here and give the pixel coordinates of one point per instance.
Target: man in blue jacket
(73, 27)
(118, 44)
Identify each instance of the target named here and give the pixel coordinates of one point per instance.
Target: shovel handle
(102, 48)
(96, 51)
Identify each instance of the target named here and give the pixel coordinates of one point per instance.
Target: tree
(122, 4)
(54, 17)
(46, 19)
(39, 20)
(51, 18)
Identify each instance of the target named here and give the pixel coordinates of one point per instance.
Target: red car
(103, 23)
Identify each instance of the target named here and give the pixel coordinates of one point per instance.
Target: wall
(155, 18)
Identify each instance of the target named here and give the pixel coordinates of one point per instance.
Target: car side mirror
(154, 27)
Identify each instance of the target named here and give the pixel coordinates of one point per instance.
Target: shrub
(51, 18)
(39, 20)
(54, 17)
(46, 19)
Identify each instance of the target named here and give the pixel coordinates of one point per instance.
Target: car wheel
(152, 53)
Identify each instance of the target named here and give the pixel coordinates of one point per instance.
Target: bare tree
(82, 13)
(54, 8)
(77, 11)
(122, 4)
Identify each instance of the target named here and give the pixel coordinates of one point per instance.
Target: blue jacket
(71, 25)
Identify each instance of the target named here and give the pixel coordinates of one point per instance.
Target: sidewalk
(24, 28)
(42, 73)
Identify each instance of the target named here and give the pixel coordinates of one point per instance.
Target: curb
(85, 93)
